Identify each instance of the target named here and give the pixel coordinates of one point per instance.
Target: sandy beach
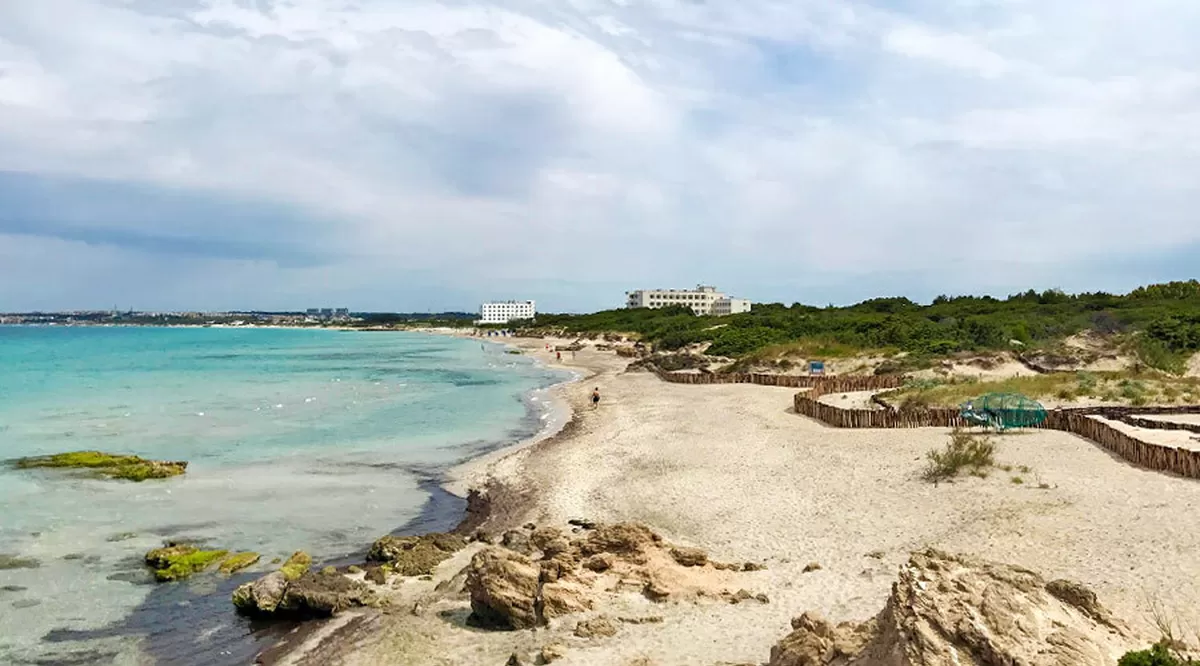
(733, 470)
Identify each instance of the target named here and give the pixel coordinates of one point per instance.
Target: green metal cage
(1003, 411)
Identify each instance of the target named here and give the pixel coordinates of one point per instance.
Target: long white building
(502, 312)
(703, 300)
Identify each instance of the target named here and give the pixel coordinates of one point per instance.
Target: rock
(1075, 594)
(948, 609)
(237, 562)
(123, 536)
(811, 567)
(296, 566)
(376, 575)
(415, 555)
(552, 653)
(597, 627)
(646, 619)
(454, 584)
(262, 596)
(740, 596)
(751, 566)
(515, 659)
(25, 603)
(599, 563)
(563, 598)
(13, 588)
(179, 561)
(329, 571)
(655, 590)
(354, 569)
(762, 598)
(73, 556)
(583, 524)
(621, 539)
(131, 468)
(16, 562)
(319, 594)
(518, 541)
(690, 557)
(544, 536)
(503, 585)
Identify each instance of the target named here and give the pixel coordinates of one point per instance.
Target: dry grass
(1117, 388)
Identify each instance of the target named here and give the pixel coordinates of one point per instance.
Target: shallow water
(295, 439)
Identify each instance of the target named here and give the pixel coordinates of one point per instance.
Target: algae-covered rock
(296, 566)
(237, 562)
(178, 561)
(17, 562)
(132, 468)
(415, 555)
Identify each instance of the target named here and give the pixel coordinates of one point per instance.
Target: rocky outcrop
(262, 596)
(323, 594)
(131, 468)
(313, 594)
(553, 575)
(415, 555)
(504, 586)
(948, 610)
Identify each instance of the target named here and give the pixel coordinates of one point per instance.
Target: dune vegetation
(1160, 324)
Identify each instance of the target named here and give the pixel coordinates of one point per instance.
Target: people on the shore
(596, 397)
(558, 355)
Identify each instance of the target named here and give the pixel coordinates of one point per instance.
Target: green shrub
(966, 451)
(1159, 655)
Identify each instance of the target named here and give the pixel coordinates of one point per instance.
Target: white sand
(732, 469)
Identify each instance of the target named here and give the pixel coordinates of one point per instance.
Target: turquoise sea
(296, 439)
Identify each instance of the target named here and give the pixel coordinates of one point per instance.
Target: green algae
(296, 566)
(238, 561)
(132, 468)
(176, 562)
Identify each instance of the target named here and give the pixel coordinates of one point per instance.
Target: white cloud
(765, 141)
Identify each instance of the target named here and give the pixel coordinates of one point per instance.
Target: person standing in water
(596, 397)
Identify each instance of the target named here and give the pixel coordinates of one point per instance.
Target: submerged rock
(132, 468)
(415, 555)
(16, 562)
(238, 561)
(178, 561)
(947, 610)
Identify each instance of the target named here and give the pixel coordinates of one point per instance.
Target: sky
(400, 155)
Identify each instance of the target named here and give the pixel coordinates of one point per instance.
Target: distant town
(704, 300)
(313, 317)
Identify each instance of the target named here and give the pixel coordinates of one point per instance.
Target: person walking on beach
(596, 397)
(559, 356)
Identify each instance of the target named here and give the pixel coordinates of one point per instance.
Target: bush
(1159, 655)
(966, 450)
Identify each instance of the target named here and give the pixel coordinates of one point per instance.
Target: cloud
(294, 150)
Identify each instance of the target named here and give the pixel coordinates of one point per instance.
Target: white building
(703, 300)
(502, 312)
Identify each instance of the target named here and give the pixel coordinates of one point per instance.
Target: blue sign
(816, 367)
